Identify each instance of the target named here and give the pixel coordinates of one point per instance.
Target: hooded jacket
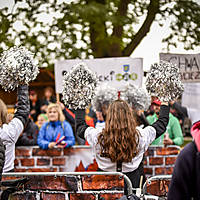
(185, 183)
(50, 131)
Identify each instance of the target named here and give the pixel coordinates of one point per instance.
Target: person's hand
(99, 116)
(62, 106)
(33, 112)
(52, 145)
(164, 103)
(140, 112)
(62, 144)
(167, 140)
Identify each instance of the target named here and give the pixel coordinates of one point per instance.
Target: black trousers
(134, 177)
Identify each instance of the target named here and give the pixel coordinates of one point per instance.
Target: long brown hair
(3, 113)
(119, 139)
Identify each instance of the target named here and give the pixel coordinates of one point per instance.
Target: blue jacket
(50, 130)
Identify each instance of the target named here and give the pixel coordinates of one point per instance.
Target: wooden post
(57, 98)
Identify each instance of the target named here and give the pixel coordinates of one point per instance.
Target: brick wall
(160, 160)
(157, 160)
(68, 187)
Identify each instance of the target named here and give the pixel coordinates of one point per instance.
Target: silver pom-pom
(104, 94)
(164, 81)
(78, 86)
(17, 66)
(137, 97)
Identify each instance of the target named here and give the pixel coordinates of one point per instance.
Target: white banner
(116, 71)
(189, 65)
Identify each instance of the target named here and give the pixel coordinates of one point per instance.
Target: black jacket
(185, 183)
(29, 136)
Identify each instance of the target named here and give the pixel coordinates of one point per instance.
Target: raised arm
(80, 123)
(23, 105)
(161, 124)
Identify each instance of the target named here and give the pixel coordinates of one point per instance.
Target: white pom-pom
(136, 97)
(104, 94)
(17, 66)
(78, 86)
(164, 81)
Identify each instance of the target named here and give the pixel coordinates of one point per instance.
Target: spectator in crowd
(150, 110)
(48, 98)
(186, 176)
(35, 105)
(29, 136)
(173, 135)
(57, 131)
(11, 131)
(140, 118)
(182, 114)
(121, 142)
(41, 119)
(69, 115)
(100, 120)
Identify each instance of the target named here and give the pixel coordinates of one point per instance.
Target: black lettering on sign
(194, 63)
(190, 76)
(111, 75)
(64, 72)
(197, 76)
(106, 78)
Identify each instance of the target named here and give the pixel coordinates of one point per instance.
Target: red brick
(82, 196)
(27, 161)
(48, 169)
(108, 196)
(59, 161)
(169, 170)
(150, 151)
(145, 161)
(58, 183)
(69, 151)
(148, 170)
(62, 169)
(24, 152)
(48, 152)
(161, 171)
(16, 162)
(43, 161)
(53, 196)
(102, 182)
(20, 170)
(155, 160)
(158, 187)
(27, 195)
(170, 160)
(9, 178)
(167, 151)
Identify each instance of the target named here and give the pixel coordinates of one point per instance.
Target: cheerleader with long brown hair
(121, 141)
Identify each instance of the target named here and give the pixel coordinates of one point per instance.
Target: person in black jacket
(29, 135)
(185, 181)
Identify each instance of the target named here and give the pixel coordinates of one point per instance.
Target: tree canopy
(58, 29)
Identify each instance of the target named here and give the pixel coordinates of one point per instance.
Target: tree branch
(153, 9)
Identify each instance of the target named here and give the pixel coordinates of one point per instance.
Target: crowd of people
(118, 134)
